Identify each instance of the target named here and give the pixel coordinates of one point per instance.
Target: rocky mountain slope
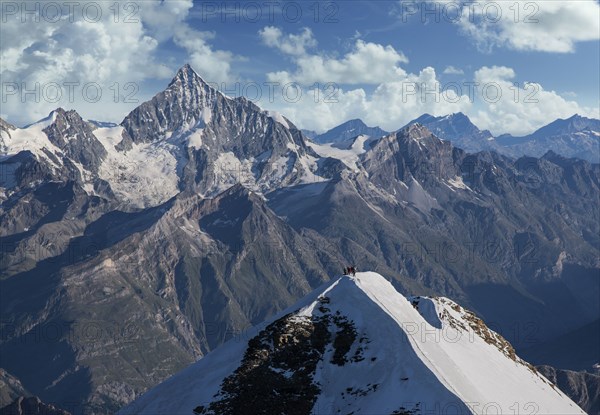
(457, 223)
(358, 346)
(129, 251)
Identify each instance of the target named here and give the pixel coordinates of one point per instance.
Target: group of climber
(351, 270)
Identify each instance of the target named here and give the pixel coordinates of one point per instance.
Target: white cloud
(366, 63)
(451, 70)
(212, 65)
(508, 107)
(546, 26)
(493, 101)
(289, 44)
(161, 17)
(115, 54)
(390, 105)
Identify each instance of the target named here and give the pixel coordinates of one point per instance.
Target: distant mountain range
(127, 252)
(574, 137)
(347, 131)
(459, 129)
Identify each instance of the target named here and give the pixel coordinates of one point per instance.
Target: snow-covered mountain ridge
(356, 345)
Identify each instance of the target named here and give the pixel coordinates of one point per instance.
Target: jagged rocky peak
(457, 116)
(189, 104)
(576, 136)
(461, 124)
(458, 129)
(191, 88)
(413, 152)
(415, 131)
(184, 104)
(186, 77)
(418, 137)
(65, 124)
(225, 140)
(456, 126)
(428, 118)
(75, 137)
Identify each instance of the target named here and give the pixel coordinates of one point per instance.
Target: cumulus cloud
(290, 44)
(212, 65)
(391, 105)
(493, 100)
(545, 26)
(111, 48)
(506, 106)
(366, 63)
(451, 70)
(368, 80)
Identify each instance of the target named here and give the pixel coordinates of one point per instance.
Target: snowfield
(349, 154)
(31, 138)
(145, 176)
(427, 355)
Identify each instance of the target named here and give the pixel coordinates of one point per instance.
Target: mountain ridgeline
(129, 251)
(576, 136)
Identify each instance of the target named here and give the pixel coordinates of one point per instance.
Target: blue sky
(375, 56)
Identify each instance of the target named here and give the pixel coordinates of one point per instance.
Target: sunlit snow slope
(358, 346)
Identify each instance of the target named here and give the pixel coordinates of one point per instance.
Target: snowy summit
(356, 345)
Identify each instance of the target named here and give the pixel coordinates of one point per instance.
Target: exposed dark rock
(75, 137)
(276, 373)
